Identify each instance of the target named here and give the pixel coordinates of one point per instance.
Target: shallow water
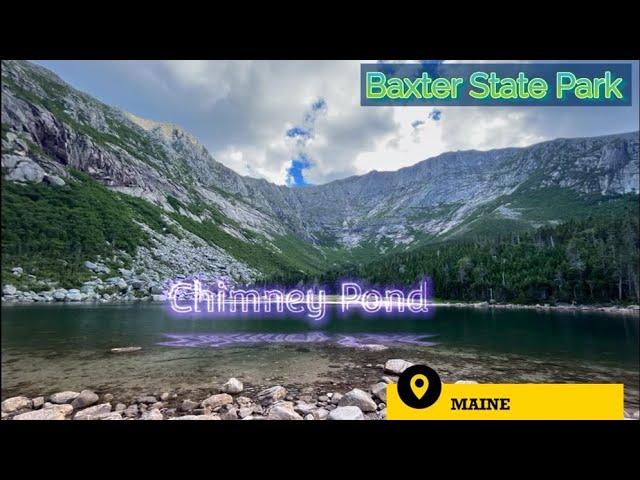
(48, 348)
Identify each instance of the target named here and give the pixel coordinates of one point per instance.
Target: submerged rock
(125, 349)
(396, 366)
(233, 385)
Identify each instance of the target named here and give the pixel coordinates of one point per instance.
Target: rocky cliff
(216, 221)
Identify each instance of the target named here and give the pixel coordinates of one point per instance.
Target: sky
(300, 123)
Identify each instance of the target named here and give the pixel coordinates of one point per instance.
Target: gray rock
(218, 400)
(26, 170)
(85, 399)
(96, 412)
(358, 398)
(320, 414)
(107, 397)
(271, 395)
(396, 366)
(335, 398)
(164, 396)
(120, 407)
(282, 411)
(146, 399)
(188, 405)
(346, 413)
(196, 417)
(230, 414)
(466, 382)
(17, 271)
(9, 290)
(304, 408)
(55, 412)
(63, 397)
(90, 266)
(125, 349)
(233, 385)
(131, 411)
(38, 402)
(54, 181)
(245, 412)
(59, 295)
(14, 404)
(379, 390)
(153, 414)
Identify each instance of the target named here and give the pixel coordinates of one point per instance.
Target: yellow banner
(524, 401)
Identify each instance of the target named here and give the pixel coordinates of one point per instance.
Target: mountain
(84, 181)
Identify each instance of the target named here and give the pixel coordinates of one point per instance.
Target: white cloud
(241, 111)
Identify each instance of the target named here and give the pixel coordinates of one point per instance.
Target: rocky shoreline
(229, 401)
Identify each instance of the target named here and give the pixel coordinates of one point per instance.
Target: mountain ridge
(255, 228)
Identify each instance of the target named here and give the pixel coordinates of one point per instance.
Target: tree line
(592, 260)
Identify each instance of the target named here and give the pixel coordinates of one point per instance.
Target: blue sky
(300, 122)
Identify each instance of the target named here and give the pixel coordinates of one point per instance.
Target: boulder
(282, 411)
(379, 390)
(14, 404)
(396, 366)
(54, 181)
(188, 405)
(85, 399)
(55, 412)
(346, 413)
(96, 412)
(9, 290)
(320, 414)
(63, 397)
(358, 398)
(218, 400)
(26, 170)
(233, 385)
(146, 399)
(153, 414)
(271, 395)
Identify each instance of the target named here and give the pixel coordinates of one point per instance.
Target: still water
(47, 348)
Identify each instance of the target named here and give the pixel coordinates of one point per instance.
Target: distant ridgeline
(86, 185)
(591, 260)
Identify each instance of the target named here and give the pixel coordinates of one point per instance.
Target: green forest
(589, 260)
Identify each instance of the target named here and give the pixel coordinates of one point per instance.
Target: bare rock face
(24, 170)
(155, 161)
